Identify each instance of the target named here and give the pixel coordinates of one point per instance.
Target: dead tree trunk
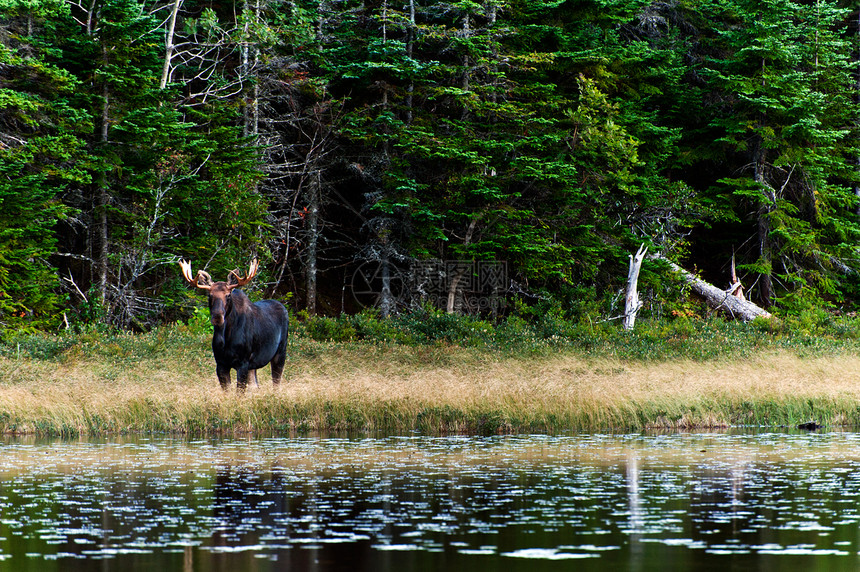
(736, 289)
(459, 273)
(168, 44)
(718, 298)
(632, 305)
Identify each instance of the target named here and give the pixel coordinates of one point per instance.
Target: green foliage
(553, 137)
(368, 325)
(34, 171)
(809, 334)
(199, 323)
(422, 326)
(543, 329)
(786, 70)
(428, 325)
(36, 345)
(328, 329)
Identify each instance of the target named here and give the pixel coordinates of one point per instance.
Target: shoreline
(370, 388)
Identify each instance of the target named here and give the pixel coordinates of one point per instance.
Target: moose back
(247, 335)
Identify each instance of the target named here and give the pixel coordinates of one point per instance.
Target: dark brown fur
(247, 335)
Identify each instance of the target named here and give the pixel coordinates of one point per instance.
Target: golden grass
(358, 387)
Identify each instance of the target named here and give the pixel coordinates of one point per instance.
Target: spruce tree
(787, 87)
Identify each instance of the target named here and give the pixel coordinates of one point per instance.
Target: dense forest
(475, 155)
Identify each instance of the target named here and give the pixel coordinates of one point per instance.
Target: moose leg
(223, 374)
(242, 374)
(278, 363)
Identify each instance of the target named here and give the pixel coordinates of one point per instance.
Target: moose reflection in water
(247, 336)
(293, 520)
(245, 502)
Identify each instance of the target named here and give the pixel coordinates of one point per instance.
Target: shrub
(431, 325)
(370, 326)
(324, 329)
(199, 323)
(34, 345)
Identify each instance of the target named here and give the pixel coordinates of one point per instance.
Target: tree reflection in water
(632, 502)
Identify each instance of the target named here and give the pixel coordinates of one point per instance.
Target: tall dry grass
(170, 386)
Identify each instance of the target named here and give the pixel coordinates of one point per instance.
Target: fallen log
(717, 298)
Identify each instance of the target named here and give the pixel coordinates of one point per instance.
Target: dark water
(733, 501)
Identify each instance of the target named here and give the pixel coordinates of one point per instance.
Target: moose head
(220, 293)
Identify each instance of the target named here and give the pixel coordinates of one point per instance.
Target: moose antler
(204, 284)
(252, 271)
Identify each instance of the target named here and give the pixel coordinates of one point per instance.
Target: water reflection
(777, 501)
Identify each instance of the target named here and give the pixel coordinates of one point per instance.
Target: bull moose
(247, 335)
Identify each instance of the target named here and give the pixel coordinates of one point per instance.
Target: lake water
(703, 501)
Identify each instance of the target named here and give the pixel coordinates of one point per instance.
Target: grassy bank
(674, 375)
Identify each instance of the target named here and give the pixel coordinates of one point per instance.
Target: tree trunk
(168, 44)
(717, 298)
(491, 11)
(464, 84)
(461, 269)
(250, 55)
(102, 258)
(313, 230)
(386, 298)
(632, 305)
(857, 101)
(410, 43)
(736, 289)
(768, 204)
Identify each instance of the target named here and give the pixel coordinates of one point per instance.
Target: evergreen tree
(153, 166)
(786, 77)
(41, 156)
